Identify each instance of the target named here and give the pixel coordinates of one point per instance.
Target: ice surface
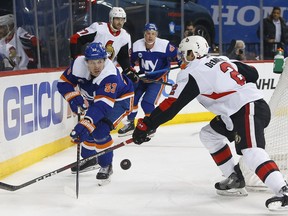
(173, 174)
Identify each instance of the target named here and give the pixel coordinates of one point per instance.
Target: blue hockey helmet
(150, 27)
(95, 51)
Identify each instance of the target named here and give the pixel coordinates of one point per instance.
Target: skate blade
(151, 135)
(97, 166)
(257, 188)
(239, 192)
(126, 134)
(277, 206)
(103, 182)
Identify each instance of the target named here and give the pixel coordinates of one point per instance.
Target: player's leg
(103, 140)
(85, 153)
(129, 127)
(214, 137)
(250, 122)
(151, 98)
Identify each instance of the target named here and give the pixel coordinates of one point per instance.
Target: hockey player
(116, 40)
(105, 94)
(18, 50)
(227, 89)
(152, 54)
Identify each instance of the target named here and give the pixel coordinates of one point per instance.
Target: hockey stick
(10, 187)
(78, 158)
(158, 71)
(155, 81)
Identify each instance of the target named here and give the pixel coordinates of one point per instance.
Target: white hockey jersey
(13, 51)
(223, 90)
(111, 41)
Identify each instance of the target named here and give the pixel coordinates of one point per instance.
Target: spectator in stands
(189, 29)
(237, 50)
(275, 34)
(18, 50)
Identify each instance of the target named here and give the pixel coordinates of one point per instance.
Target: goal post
(276, 134)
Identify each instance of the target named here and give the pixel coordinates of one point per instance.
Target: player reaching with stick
(106, 95)
(226, 88)
(151, 53)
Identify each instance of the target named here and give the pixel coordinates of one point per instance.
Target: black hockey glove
(142, 131)
(131, 74)
(249, 72)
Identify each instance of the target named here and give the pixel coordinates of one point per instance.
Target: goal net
(275, 133)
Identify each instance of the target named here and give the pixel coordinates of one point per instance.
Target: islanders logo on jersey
(171, 48)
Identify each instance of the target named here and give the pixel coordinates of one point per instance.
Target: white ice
(173, 174)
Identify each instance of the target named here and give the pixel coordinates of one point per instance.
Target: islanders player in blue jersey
(152, 54)
(106, 95)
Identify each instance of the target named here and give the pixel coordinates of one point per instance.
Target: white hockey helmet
(117, 12)
(7, 19)
(197, 44)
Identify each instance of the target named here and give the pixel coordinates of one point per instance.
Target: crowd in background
(21, 48)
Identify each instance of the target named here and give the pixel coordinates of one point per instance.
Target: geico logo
(29, 108)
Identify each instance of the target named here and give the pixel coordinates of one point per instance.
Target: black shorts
(249, 124)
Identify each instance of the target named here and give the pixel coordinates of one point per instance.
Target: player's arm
(103, 103)
(166, 110)
(67, 81)
(171, 106)
(249, 72)
(172, 53)
(30, 44)
(66, 87)
(80, 38)
(123, 59)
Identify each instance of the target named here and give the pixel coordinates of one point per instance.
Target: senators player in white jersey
(228, 89)
(18, 49)
(115, 39)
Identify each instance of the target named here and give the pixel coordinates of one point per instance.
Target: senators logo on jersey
(110, 49)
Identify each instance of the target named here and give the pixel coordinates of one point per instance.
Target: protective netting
(276, 133)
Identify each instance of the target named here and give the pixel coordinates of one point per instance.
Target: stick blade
(8, 187)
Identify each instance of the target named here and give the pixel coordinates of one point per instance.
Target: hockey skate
(278, 203)
(152, 133)
(234, 185)
(127, 129)
(86, 166)
(103, 176)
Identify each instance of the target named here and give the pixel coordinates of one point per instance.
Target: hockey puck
(125, 164)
